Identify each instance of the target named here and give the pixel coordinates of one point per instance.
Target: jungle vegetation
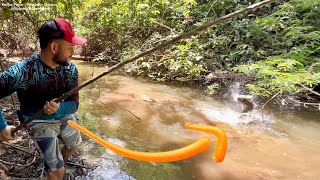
(277, 47)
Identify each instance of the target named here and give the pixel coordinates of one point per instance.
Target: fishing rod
(164, 44)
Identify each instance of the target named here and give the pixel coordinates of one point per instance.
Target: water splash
(109, 166)
(234, 91)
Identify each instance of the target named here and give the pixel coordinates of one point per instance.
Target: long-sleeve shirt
(35, 83)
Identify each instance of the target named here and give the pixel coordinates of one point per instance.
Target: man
(38, 80)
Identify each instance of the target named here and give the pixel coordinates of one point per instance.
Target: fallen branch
(160, 46)
(4, 167)
(21, 165)
(19, 148)
(171, 29)
(73, 164)
(305, 87)
(305, 104)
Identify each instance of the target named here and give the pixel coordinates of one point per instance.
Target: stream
(150, 117)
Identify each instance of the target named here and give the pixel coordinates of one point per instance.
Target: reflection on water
(150, 117)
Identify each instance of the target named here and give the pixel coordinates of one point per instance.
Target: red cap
(69, 35)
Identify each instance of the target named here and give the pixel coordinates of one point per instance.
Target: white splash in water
(235, 91)
(254, 119)
(225, 114)
(109, 166)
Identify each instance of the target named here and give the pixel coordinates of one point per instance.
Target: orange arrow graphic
(168, 156)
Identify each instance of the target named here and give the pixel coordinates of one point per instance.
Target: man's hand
(51, 107)
(5, 134)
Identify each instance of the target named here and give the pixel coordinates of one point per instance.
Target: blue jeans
(47, 134)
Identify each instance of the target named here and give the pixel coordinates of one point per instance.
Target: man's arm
(3, 123)
(5, 130)
(10, 81)
(58, 110)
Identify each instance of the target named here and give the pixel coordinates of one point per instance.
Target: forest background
(276, 47)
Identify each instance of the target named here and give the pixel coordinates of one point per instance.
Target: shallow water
(145, 116)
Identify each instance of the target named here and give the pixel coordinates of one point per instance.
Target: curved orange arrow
(222, 142)
(169, 156)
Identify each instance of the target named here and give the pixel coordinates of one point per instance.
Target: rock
(246, 102)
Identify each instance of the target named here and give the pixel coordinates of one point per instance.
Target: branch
(19, 148)
(171, 29)
(4, 167)
(121, 109)
(311, 67)
(160, 46)
(305, 103)
(312, 91)
(210, 8)
(21, 165)
(74, 164)
(268, 102)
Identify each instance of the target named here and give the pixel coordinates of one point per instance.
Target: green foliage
(123, 14)
(20, 20)
(278, 45)
(294, 35)
(212, 88)
(278, 75)
(36, 12)
(182, 62)
(120, 25)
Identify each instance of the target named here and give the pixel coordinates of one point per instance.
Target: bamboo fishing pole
(164, 44)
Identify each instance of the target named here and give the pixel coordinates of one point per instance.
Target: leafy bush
(293, 35)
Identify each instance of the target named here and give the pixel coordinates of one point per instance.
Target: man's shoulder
(71, 67)
(29, 60)
(24, 64)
